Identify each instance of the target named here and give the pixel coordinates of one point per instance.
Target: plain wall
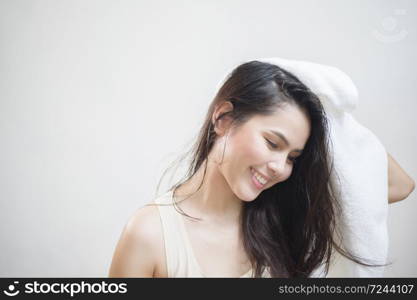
(98, 97)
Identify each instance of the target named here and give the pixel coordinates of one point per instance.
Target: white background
(98, 97)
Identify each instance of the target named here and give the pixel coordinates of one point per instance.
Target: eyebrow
(281, 136)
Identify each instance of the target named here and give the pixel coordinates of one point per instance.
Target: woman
(256, 200)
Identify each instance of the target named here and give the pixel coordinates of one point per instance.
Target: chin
(247, 196)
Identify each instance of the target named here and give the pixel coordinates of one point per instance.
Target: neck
(214, 202)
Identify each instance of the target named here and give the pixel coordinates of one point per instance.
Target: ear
(221, 122)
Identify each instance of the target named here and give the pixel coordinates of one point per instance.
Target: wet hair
(291, 227)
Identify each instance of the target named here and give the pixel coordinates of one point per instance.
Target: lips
(258, 179)
(259, 173)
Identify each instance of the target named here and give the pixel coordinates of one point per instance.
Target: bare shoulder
(140, 247)
(145, 223)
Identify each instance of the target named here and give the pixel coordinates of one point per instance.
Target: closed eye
(272, 144)
(275, 146)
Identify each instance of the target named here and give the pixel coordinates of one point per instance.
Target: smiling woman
(256, 199)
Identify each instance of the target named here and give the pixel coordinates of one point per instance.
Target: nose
(276, 167)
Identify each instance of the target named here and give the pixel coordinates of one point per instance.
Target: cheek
(287, 174)
(250, 149)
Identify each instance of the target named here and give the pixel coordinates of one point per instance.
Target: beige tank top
(181, 261)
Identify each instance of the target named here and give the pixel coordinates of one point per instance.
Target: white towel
(360, 161)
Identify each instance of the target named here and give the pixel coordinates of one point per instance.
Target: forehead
(288, 119)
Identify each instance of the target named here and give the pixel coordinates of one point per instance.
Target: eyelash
(275, 146)
(272, 144)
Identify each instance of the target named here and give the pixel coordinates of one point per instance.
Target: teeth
(259, 177)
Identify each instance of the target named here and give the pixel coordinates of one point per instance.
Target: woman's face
(261, 152)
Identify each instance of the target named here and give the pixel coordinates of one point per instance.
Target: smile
(258, 179)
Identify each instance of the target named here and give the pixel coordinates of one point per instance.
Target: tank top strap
(177, 253)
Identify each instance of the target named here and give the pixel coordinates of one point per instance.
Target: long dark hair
(290, 228)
